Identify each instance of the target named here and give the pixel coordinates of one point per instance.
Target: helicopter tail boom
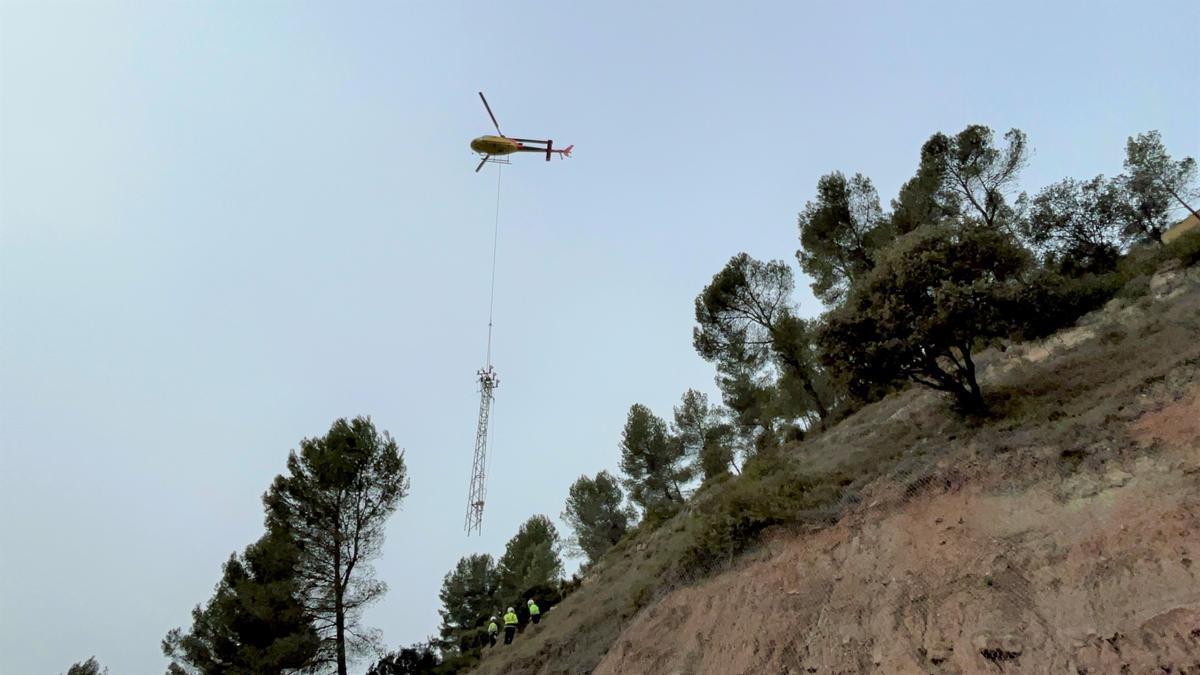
(561, 153)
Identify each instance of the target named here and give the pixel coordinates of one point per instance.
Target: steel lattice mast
(487, 384)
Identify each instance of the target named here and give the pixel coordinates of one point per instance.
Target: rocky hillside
(1061, 535)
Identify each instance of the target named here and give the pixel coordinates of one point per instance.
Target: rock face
(1095, 573)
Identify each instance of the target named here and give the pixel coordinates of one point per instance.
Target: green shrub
(653, 518)
(458, 663)
(1050, 301)
(569, 586)
(1137, 287)
(1141, 261)
(1186, 248)
(641, 596)
(769, 492)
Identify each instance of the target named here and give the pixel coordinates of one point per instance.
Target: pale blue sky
(222, 225)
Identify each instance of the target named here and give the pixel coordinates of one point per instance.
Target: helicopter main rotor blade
(482, 162)
(489, 109)
(528, 140)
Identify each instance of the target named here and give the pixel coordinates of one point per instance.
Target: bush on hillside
(1050, 301)
(929, 304)
(769, 492)
(1186, 249)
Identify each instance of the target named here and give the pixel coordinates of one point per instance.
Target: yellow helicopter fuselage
(495, 145)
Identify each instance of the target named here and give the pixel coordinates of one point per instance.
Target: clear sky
(225, 224)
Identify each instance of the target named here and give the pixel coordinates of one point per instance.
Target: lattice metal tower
(487, 384)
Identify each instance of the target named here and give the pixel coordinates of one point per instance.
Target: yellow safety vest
(534, 611)
(510, 619)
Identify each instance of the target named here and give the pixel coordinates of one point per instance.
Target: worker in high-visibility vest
(535, 614)
(510, 626)
(492, 631)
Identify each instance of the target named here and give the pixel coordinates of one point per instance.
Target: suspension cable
(495, 244)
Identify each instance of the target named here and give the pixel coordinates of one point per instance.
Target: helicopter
(494, 146)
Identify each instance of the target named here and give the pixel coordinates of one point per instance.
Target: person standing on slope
(535, 614)
(491, 634)
(510, 626)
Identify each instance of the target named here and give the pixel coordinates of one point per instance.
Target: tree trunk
(806, 382)
(1185, 204)
(339, 611)
(667, 492)
(822, 412)
(341, 637)
(975, 402)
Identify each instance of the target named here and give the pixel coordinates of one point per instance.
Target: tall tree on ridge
(706, 438)
(1154, 180)
(652, 461)
(336, 498)
(470, 593)
(597, 515)
(967, 174)
(841, 232)
(745, 324)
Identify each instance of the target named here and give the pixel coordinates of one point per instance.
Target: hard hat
(530, 601)
(510, 609)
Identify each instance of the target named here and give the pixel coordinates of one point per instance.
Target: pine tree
(705, 437)
(337, 495)
(596, 514)
(841, 233)
(1155, 184)
(966, 175)
(419, 659)
(1078, 225)
(89, 667)
(255, 623)
(531, 563)
(469, 596)
(652, 461)
(746, 324)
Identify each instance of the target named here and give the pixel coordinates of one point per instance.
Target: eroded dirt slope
(1077, 554)
(1093, 575)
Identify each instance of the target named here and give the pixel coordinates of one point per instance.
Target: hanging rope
(491, 308)
(495, 243)
(488, 382)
